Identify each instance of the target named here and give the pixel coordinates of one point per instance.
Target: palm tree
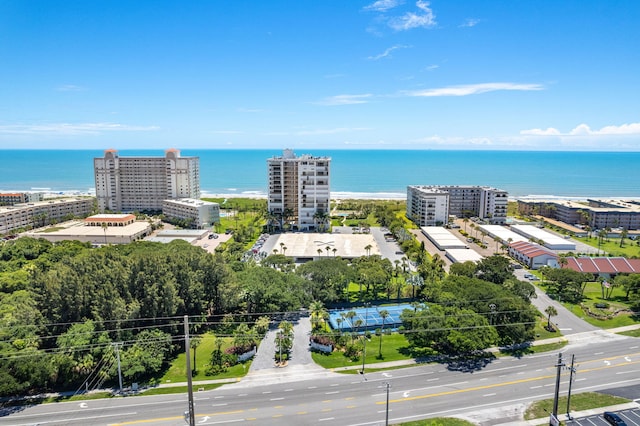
(194, 342)
(334, 251)
(327, 249)
(281, 246)
(318, 313)
(104, 228)
(383, 314)
(368, 248)
(551, 312)
(319, 252)
(623, 235)
(465, 221)
(284, 249)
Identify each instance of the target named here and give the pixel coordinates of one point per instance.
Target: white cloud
(470, 22)
(345, 100)
(383, 5)
(585, 130)
(423, 19)
(249, 110)
(474, 89)
(432, 67)
(68, 129)
(387, 52)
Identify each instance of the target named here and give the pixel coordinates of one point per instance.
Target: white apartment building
(40, 213)
(462, 201)
(203, 213)
(127, 184)
(299, 192)
(427, 206)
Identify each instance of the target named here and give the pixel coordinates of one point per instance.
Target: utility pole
(553, 421)
(386, 419)
(191, 414)
(572, 371)
(117, 347)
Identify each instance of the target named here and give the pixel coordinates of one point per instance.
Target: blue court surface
(370, 318)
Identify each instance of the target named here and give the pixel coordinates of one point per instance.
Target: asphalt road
(485, 394)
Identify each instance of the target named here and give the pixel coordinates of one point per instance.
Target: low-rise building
(41, 213)
(98, 230)
(532, 255)
(595, 213)
(202, 213)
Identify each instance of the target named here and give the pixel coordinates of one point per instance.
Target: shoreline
(49, 193)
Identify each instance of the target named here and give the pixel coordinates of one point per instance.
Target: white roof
(551, 240)
(442, 238)
(346, 245)
(463, 255)
(503, 233)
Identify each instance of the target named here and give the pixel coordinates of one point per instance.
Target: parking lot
(630, 417)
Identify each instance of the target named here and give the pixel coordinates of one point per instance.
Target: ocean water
(357, 173)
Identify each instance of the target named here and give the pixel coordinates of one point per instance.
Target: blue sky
(320, 74)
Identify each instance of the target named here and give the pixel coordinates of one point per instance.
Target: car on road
(613, 419)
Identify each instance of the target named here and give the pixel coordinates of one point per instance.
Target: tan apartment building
(127, 184)
(41, 213)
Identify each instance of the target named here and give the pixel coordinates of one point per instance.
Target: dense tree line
(67, 310)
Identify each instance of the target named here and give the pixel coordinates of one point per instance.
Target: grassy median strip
(579, 402)
(439, 421)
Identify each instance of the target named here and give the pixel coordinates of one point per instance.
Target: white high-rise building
(462, 201)
(127, 184)
(299, 191)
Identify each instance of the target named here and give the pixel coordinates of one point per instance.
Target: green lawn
(177, 371)
(593, 295)
(612, 246)
(579, 402)
(180, 389)
(394, 348)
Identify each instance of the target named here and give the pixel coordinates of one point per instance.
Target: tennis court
(367, 318)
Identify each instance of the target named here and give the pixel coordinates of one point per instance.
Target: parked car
(613, 419)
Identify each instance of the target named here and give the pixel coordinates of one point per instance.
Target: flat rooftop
(307, 245)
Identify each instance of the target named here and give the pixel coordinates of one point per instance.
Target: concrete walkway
(300, 367)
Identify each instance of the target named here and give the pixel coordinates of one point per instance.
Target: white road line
(535, 387)
(243, 394)
(77, 418)
(331, 393)
(276, 399)
(288, 390)
(326, 419)
(219, 405)
(335, 384)
(489, 394)
(315, 387)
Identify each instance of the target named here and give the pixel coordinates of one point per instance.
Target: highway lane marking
(326, 419)
(275, 416)
(627, 372)
(335, 384)
(276, 399)
(599, 353)
(331, 393)
(288, 390)
(433, 380)
(535, 387)
(279, 406)
(325, 410)
(166, 419)
(266, 392)
(75, 418)
(315, 387)
(219, 405)
(301, 412)
(495, 385)
(243, 394)
(218, 397)
(489, 394)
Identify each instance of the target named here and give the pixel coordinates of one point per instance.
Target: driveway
(300, 367)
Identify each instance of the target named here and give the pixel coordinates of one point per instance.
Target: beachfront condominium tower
(127, 184)
(425, 204)
(299, 191)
